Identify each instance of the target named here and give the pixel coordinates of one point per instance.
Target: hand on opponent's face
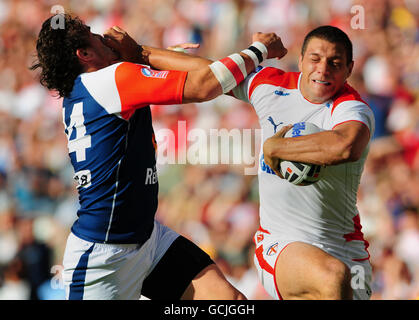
(122, 43)
(269, 147)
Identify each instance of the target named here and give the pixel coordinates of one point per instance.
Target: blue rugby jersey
(112, 148)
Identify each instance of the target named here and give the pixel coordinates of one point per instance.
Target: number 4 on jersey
(82, 141)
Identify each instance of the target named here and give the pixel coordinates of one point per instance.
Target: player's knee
(336, 279)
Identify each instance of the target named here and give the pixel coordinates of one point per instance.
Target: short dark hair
(333, 35)
(56, 52)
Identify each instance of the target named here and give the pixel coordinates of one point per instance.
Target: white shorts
(112, 271)
(269, 248)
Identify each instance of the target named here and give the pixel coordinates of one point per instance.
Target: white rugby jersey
(323, 212)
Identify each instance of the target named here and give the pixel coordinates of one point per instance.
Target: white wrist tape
(261, 47)
(257, 51)
(229, 71)
(252, 55)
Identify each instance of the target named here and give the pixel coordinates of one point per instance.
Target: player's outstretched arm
(345, 143)
(170, 59)
(164, 59)
(206, 79)
(223, 75)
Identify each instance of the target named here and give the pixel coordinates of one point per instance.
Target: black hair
(56, 50)
(333, 35)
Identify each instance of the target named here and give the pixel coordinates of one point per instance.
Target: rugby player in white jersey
(309, 244)
(116, 249)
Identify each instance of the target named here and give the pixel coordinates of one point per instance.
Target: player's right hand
(269, 147)
(272, 42)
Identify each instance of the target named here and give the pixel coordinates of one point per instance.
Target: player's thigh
(174, 271)
(186, 272)
(304, 271)
(211, 284)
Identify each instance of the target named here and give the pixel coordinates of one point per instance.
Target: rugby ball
(298, 173)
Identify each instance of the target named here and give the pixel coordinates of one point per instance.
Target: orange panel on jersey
(139, 86)
(276, 77)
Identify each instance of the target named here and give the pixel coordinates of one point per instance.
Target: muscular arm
(201, 83)
(345, 143)
(163, 59)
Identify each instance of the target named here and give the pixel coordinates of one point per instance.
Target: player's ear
(300, 63)
(350, 67)
(85, 55)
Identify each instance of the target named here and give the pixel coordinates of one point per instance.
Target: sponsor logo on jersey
(328, 104)
(273, 249)
(151, 176)
(296, 129)
(153, 73)
(281, 93)
(271, 120)
(83, 178)
(264, 167)
(259, 237)
(258, 68)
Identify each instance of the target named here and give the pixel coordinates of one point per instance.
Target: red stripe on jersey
(347, 93)
(357, 235)
(139, 89)
(234, 69)
(276, 77)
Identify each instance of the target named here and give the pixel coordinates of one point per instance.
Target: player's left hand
(273, 43)
(119, 40)
(269, 147)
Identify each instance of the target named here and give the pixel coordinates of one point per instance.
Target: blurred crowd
(216, 206)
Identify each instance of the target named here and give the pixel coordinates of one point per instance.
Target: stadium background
(216, 206)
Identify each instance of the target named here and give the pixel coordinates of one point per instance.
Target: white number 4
(82, 141)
